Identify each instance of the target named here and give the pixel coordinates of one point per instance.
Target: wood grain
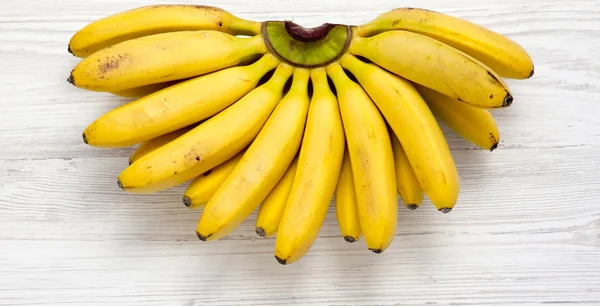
(526, 229)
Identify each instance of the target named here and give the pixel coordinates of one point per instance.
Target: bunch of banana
(274, 117)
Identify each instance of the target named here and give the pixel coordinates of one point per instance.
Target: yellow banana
(319, 163)
(155, 143)
(416, 128)
(204, 186)
(163, 57)
(436, 65)
(408, 185)
(372, 161)
(155, 19)
(263, 165)
(475, 124)
(211, 143)
(271, 209)
(345, 203)
(498, 52)
(177, 106)
(142, 91)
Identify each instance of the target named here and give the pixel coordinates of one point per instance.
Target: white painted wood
(526, 229)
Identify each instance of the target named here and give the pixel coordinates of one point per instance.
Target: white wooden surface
(526, 229)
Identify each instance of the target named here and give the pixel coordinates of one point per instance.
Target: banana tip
(349, 239)
(85, 140)
(445, 210)
(376, 251)
(201, 237)
(119, 183)
(71, 79)
(281, 261)
(531, 74)
(494, 147)
(187, 201)
(508, 100)
(412, 206)
(69, 49)
(130, 161)
(261, 232)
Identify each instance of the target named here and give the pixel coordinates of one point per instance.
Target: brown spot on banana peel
(494, 142)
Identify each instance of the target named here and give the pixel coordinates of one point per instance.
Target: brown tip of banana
(281, 261)
(531, 74)
(261, 232)
(187, 201)
(445, 210)
(349, 239)
(508, 100)
(130, 161)
(201, 237)
(412, 206)
(376, 251)
(71, 79)
(69, 49)
(119, 183)
(494, 147)
(84, 138)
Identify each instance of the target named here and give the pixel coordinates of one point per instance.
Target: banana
(372, 161)
(263, 165)
(204, 186)
(345, 203)
(498, 52)
(408, 185)
(475, 124)
(142, 91)
(436, 65)
(319, 163)
(211, 143)
(163, 57)
(271, 209)
(416, 128)
(177, 106)
(155, 143)
(155, 19)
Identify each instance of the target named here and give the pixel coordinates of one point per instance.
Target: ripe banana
(151, 145)
(498, 52)
(204, 186)
(416, 128)
(372, 161)
(319, 164)
(142, 91)
(263, 165)
(345, 203)
(408, 185)
(475, 124)
(177, 106)
(271, 209)
(155, 19)
(436, 65)
(211, 143)
(162, 58)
